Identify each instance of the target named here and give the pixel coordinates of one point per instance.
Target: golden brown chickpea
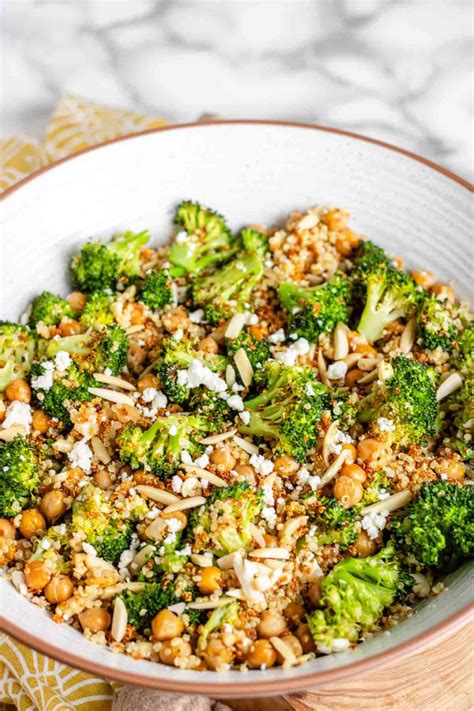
(373, 452)
(179, 516)
(18, 390)
(76, 300)
(348, 491)
(7, 550)
(70, 328)
(37, 575)
(137, 314)
(335, 219)
(366, 349)
(347, 240)
(95, 619)
(271, 541)
(423, 278)
(353, 376)
(210, 580)
(285, 466)
(293, 643)
(176, 319)
(247, 472)
(364, 545)
(32, 522)
(217, 655)
(7, 529)
(306, 638)
(53, 504)
(59, 589)
(102, 479)
(208, 345)
(452, 467)
(314, 593)
(353, 471)
(166, 625)
(40, 421)
(271, 624)
(261, 653)
(351, 453)
(148, 381)
(444, 292)
(223, 458)
(294, 612)
(173, 649)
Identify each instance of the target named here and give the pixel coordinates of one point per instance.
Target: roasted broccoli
(213, 407)
(257, 349)
(437, 528)
(144, 605)
(99, 266)
(461, 408)
(386, 293)
(154, 291)
(353, 597)
(96, 312)
(19, 475)
(225, 614)
(288, 409)
(463, 355)
(335, 524)
(343, 406)
(438, 324)
(17, 350)
(403, 410)
(93, 352)
(205, 241)
(316, 309)
(49, 309)
(158, 449)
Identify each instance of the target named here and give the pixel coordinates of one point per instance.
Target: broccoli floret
(155, 290)
(437, 324)
(208, 240)
(353, 597)
(99, 266)
(407, 400)
(335, 524)
(144, 605)
(225, 614)
(287, 410)
(212, 407)
(223, 524)
(93, 352)
(96, 312)
(257, 350)
(49, 309)
(158, 449)
(461, 409)
(388, 293)
(57, 392)
(254, 241)
(17, 350)
(343, 408)
(317, 309)
(19, 475)
(463, 356)
(378, 484)
(437, 528)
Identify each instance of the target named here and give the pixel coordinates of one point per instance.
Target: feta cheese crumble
(62, 361)
(19, 414)
(374, 522)
(337, 370)
(81, 456)
(45, 380)
(277, 337)
(385, 425)
(198, 374)
(293, 352)
(261, 465)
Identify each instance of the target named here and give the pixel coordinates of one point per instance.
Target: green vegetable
(155, 291)
(96, 312)
(257, 350)
(334, 523)
(49, 309)
(17, 350)
(94, 352)
(225, 614)
(143, 606)
(19, 475)
(437, 324)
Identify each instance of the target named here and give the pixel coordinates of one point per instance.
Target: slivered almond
(236, 593)
(392, 503)
(291, 526)
(230, 376)
(341, 343)
(369, 377)
(155, 494)
(136, 328)
(113, 380)
(235, 325)
(269, 480)
(331, 472)
(226, 562)
(203, 561)
(244, 366)
(244, 444)
(214, 439)
(141, 557)
(452, 383)
(100, 450)
(275, 552)
(9, 434)
(352, 359)
(407, 339)
(209, 604)
(244, 575)
(368, 364)
(154, 531)
(201, 473)
(258, 535)
(322, 367)
(112, 396)
(190, 503)
(119, 620)
(275, 564)
(178, 607)
(284, 649)
(328, 441)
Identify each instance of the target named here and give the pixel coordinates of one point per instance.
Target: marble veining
(397, 70)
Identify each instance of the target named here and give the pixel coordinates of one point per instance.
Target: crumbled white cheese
(235, 402)
(196, 316)
(173, 524)
(173, 430)
(87, 548)
(270, 515)
(178, 334)
(383, 494)
(304, 477)
(202, 461)
(261, 465)
(176, 483)
(198, 374)
(337, 370)
(308, 390)
(253, 320)
(62, 361)
(18, 413)
(45, 380)
(245, 416)
(293, 352)
(81, 456)
(385, 425)
(443, 476)
(374, 522)
(181, 237)
(186, 457)
(170, 538)
(277, 337)
(184, 551)
(268, 497)
(148, 394)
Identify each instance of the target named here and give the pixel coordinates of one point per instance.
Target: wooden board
(439, 679)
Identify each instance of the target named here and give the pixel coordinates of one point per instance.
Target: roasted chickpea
(294, 612)
(37, 576)
(76, 300)
(217, 655)
(176, 319)
(354, 471)
(223, 458)
(32, 522)
(348, 491)
(210, 580)
(364, 545)
(314, 593)
(353, 376)
(293, 643)
(7, 529)
(18, 390)
(423, 278)
(444, 292)
(373, 452)
(40, 421)
(59, 589)
(452, 467)
(335, 219)
(95, 619)
(285, 466)
(347, 240)
(166, 625)
(366, 349)
(173, 649)
(305, 637)
(208, 345)
(71, 327)
(137, 314)
(246, 472)
(271, 624)
(53, 504)
(148, 381)
(261, 653)
(351, 453)
(102, 479)
(179, 516)
(7, 550)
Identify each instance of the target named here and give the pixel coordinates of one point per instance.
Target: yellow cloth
(29, 680)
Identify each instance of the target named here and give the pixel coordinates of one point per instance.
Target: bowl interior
(252, 173)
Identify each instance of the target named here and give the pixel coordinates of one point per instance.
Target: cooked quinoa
(236, 451)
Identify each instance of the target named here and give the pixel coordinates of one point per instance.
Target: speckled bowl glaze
(251, 172)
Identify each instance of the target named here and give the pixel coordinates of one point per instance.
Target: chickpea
(373, 452)
(354, 471)
(305, 637)
(217, 654)
(348, 491)
(293, 643)
(314, 593)
(59, 589)
(76, 300)
(246, 472)
(166, 625)
(7, 530)
(364, 545)
(353, 376)
(179, 516)
(3, 409)
(347, 241)
(444, 292)
(285, 466)
(102, 479)
(366, 349)
(137, 314)
(95, 619)
(262, 652)
(70, 327)
(208, 345)
(7, 550)
(18, 390)
(53, 504)
(36, 575)
(453, 468)
(271, 541)
(148, 381)
(335, 219)
(210, 580)
(173, 649)
(40, 421)
(223, 458)
(351, 453)
(176, 319)
(423, 278)
(271, 624)
(32, 521)
(294, 612)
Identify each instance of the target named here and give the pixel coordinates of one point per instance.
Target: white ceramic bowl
(251, 172)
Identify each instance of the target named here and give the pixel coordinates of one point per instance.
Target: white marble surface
(397, 70)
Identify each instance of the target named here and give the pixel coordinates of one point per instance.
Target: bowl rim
(258, 687)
